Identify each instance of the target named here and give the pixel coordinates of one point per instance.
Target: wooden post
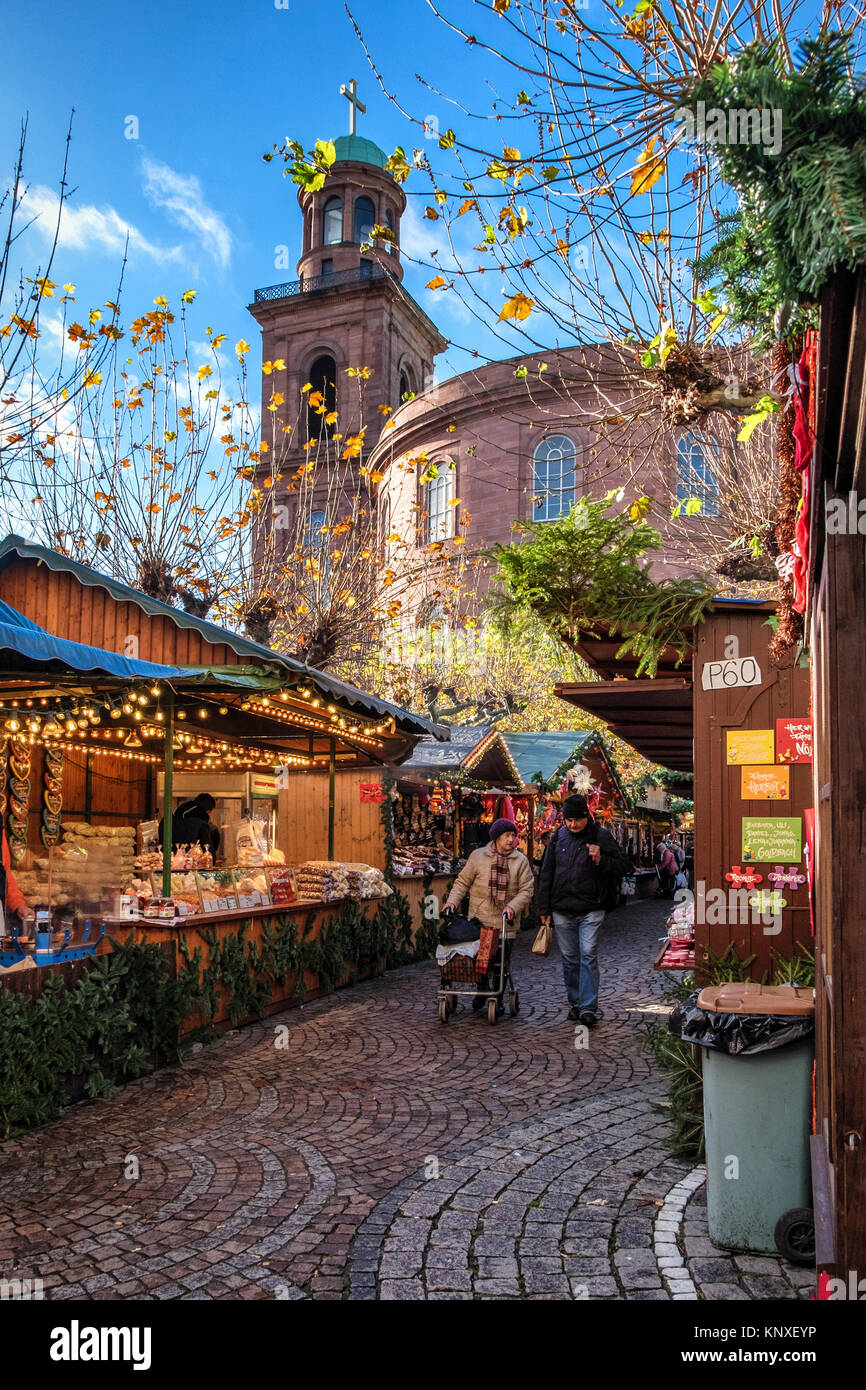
(332, 771)
(167, 793)
(88, 787)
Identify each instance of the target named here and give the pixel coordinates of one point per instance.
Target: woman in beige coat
(498, 879)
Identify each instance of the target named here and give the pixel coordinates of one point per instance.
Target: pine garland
(802, 210)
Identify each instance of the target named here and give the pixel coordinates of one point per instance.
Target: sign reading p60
(725, 675)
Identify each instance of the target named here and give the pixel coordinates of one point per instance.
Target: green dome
(356, 148)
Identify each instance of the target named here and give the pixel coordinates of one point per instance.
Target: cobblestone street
(380, 1154)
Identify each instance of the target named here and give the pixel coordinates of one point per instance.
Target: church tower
(347, 309)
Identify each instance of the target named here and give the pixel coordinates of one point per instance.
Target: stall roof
(545, 752)
(478, 748)
(652, 714)
(13, 546)
(24, 645)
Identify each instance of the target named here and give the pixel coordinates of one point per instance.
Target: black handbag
(454, 930)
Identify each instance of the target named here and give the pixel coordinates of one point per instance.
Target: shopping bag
(543, 941)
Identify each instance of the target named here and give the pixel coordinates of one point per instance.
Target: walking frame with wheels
(458, 979)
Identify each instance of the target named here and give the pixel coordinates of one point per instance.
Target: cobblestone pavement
(357, 1148)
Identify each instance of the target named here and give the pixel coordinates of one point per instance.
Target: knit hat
(499, 827)
(575, 808)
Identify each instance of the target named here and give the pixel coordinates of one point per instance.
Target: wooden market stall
(94, 738)
(834, 525)
(545, 761)
(730, 719)
(444, 798)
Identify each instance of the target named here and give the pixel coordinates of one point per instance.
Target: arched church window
(322, 398)
(332, 219)
(407, 383)
(365, 219)
(696, 456)
(389, 223)
(552, 478)
(439, 494)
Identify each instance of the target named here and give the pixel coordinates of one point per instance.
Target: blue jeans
(577, 939)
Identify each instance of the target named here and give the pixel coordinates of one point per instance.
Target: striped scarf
(497, 885)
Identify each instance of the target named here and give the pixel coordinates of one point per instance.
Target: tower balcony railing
(312, 284)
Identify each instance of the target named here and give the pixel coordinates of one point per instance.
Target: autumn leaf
(465, 206)
(511, 154)
(92, 378)
(277, 366)
(650, 168)
(639, 508)
(377, 477)
(437, 283)
(204, 372)
(354, 445)
(518, 307)
(241, 347)
(431, 214)
(161, 302)
(153, 507)
(500, 6)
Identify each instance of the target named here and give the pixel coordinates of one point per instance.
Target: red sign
(793, 740)
(372, 791)
(282, 886)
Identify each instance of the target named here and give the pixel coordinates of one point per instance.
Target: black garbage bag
(454, 930)
(736, 1034)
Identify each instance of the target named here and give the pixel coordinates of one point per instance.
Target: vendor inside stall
(191, 824)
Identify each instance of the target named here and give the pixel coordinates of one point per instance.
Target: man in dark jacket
(579, 878)
(191, 825)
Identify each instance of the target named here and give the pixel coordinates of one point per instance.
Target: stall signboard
(750, 746)
(263, 783)
(772, 839)
(793, 740)
(765, 783)
(724, 675)
(282, 884)
(217, 890)
(372, 791)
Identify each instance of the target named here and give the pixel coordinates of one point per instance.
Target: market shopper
(668, 868)
(578, 882)
(498, 879)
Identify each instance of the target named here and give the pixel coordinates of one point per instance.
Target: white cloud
(183, 198)
(88, 228)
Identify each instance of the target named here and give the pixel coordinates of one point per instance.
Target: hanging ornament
(743, 878)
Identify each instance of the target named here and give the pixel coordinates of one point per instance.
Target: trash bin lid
(749, 998)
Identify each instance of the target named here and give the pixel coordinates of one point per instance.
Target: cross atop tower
(350, 92)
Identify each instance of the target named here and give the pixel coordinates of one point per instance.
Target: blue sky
(211, 87)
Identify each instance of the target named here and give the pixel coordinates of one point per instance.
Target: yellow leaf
(218, 340)
(639, 508)
(307, 386)
(518, 307)
(188, 296)
(464, 207)
(161, 302)
(437, 283)
(376, 477)
(204, 372)
(650, 168)
(95, 316)
(70, 289)
(93, 378)
(277, 366)
(510, 153)
(241, 347)
(431, 214)
(170, 436)
(459, 540)
(645, 237)
(440, 196)
(664, 237)
(500, 6)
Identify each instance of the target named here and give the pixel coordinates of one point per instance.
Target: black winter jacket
(568, 880)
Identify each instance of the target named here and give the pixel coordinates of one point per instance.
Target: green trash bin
(757, 1118)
